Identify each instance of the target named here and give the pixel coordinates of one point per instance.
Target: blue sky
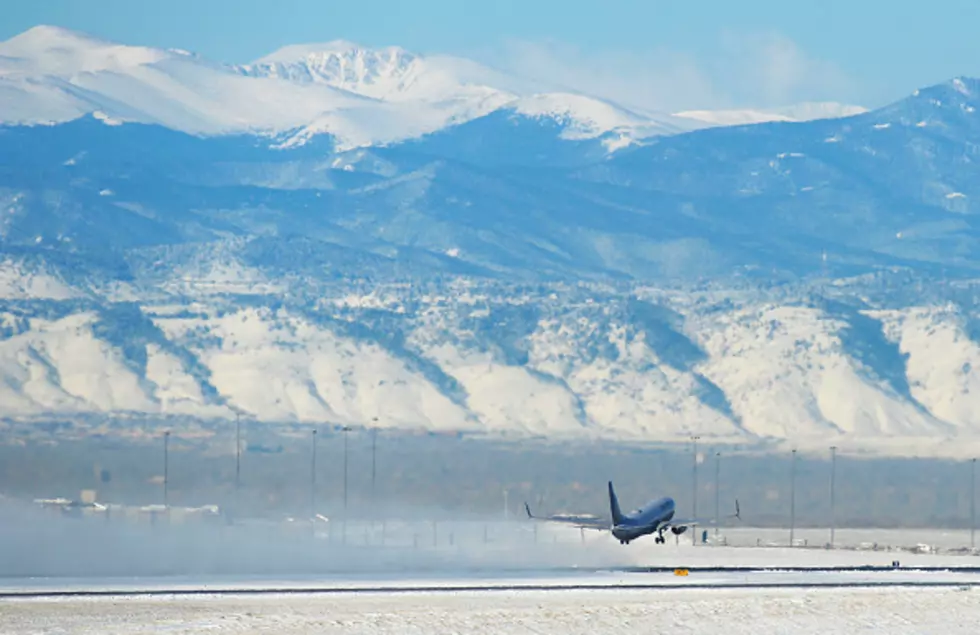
(663, 53)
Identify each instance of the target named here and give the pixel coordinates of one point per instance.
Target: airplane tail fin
(617, 515)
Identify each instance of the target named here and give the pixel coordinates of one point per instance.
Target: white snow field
(554, 582)
(569, 612)
(362, 96)
(799, 112)
(785, 371)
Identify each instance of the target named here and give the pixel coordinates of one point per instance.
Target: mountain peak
(967, 87)
(588, 117)
(53, 50)
(949, 103)
(376, 73)
(806, 111)
(298, 53)
(48, 36)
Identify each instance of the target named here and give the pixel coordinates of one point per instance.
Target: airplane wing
(584, 521)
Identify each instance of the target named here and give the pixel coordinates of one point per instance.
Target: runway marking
(689, 582)
(784, 569)
(857, 584)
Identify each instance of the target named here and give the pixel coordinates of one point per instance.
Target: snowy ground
(771, 370)
(541, 594)
(935, 539)
(477, 581)
(897, 611)
(61, 551)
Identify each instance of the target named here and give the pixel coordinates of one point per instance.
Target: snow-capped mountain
(56, 52)
(425, 241)
(807, 111)
(453, 90)
(510, 192)
(735, 366)
(50, 75)
(388, 74)
(359, 97)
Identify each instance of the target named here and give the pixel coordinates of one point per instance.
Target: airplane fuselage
(656, 517)
(644, 521)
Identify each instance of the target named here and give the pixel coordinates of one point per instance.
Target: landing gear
(660, 539)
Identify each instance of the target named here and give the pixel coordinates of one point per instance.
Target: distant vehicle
(655, 517)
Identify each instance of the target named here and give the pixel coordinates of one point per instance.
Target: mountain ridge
(54, 75)
(518, 273)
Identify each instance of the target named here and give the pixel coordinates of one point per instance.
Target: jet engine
(678, 530)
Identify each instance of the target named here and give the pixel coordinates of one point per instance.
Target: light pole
(973, 504)
(166, 474)
(694, 491)
(833, 509)
(792, 500)
(345, 429)
(238, 458)
(717, 485)
(313, 480)
(166, 470)
(374, 448)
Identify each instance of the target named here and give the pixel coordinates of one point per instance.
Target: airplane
(655, 517)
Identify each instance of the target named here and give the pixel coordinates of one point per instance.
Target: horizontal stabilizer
(584, 521)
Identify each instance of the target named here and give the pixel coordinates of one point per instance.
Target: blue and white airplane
(654, 517)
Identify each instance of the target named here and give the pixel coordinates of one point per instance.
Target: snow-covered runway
(789, 610)
(477, 582)
(727, 590)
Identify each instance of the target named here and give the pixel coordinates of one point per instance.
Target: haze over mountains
(335, 234)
